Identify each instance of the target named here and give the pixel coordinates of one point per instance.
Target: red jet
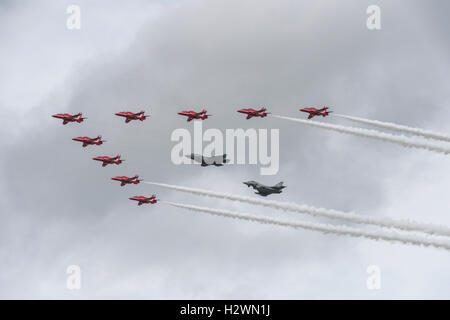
(88, 141)
(195, 115)
(132, 116)
(66, 118)
(254, 113)
(143, 199)
(127, 180)
(316, 112)
(108, 160)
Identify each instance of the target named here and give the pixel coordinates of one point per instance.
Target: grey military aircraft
(263, 190)
(205, 161)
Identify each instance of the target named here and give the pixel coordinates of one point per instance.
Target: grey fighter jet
(263, 190)
(205, 161)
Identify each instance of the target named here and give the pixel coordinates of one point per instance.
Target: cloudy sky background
(58, 207)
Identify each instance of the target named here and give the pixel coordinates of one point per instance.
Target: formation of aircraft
(132, 116)
(66, 118)
(264, 190)
(254, 113)
(141, 199)
(205, 161)
(191, 115)
(109, 160)
(316, 112)
(127, 180)
(89, 141)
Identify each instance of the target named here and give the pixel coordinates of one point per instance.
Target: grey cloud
(60, 208)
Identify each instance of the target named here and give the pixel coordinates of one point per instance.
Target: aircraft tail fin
(118, 159)
(264, 112)
(224, 158)
(325, 111)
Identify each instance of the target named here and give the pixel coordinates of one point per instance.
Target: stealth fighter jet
(205, 161)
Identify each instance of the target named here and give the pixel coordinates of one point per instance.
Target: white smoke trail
(398, 127)
(369, 133)
(320, 212)
(324, 228)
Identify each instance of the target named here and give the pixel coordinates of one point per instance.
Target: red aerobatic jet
(132, 116)
(143, 199)
(88, 141)
(254, 113)
(127, 180)
(109, 160)
(194, 115)
(316, 112)
(66, 118)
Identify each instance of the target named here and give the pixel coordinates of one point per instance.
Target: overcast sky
(60, 208)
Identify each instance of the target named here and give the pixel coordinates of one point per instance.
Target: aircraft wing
(196, 158)
(263, 192)
(220, 159)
